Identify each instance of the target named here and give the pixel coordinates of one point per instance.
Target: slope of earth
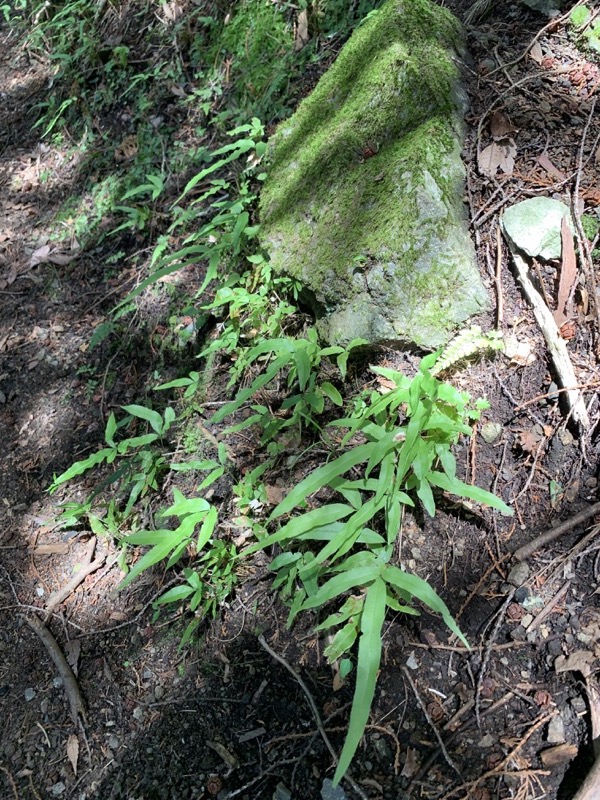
(224, 718)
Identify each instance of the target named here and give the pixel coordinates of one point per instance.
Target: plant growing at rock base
(346, 546)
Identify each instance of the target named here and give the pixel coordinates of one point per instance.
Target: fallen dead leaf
(498, 155)
(568, 272)
(72, 651)
(546, 164)
(302, 36)
(385, 385)
(528, 440)
(275, 494)
(500, 126)
(580, 661)
(519, 352)
(411, 765)
(73, 751)
(172, 11)
(535, 53)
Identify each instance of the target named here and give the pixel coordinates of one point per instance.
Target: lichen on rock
(363, 199)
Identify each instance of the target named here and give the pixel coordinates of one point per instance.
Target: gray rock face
(363, 199)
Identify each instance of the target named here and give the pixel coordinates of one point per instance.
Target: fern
(467, 343)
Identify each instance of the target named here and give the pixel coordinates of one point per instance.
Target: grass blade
(369, 658)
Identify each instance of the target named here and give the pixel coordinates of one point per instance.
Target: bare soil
(510, 719)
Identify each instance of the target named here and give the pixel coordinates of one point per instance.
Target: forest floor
(512, 718)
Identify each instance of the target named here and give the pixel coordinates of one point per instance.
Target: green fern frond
(467, 343)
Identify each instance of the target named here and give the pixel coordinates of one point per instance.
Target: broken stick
(76, 704)
(545, 538)
(556, 345)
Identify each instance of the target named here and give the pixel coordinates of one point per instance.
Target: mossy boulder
(363, 202)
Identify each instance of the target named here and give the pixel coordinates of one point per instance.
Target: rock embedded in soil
(363, 203)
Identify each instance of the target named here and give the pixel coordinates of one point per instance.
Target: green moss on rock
(363, 201)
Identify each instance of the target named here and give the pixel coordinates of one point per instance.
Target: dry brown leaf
(568, 272)
(591, 196)
(72, 651)
(546, 164)
(561, 754)
(127, 149)
(172, 11)
(275, 494)
(302, 36)
(411, 765)
(497, 156)
(73, 751)
(535, 53)
(39, 256)
(529, 439)
(580, 661)
(385, 385)
(11, 277)
(61, 258)
(500, 126)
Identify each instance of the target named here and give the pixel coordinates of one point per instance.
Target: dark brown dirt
(223, 718)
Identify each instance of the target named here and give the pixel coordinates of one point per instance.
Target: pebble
(29, 694)
(518, 574)
(411, 661)
(331, 792)
(138, 713)
(556, 731)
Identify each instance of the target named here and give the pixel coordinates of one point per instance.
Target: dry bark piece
(559, 755)
(556, 345)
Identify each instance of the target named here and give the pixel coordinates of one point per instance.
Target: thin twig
(501, 767)
(488, 652)
(11, 780)
(315, 712)
(88, 566)
(549, 607)
(545, 538)
(436, 733)
(74, 697)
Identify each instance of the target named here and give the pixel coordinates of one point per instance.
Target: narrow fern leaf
(369, 659)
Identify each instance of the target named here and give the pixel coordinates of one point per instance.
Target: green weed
(346, 546)
(588, 27)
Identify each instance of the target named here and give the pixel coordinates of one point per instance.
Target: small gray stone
(556, 731)
(518, 574)
(282, 792)
(331, 792)
(29, 694)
